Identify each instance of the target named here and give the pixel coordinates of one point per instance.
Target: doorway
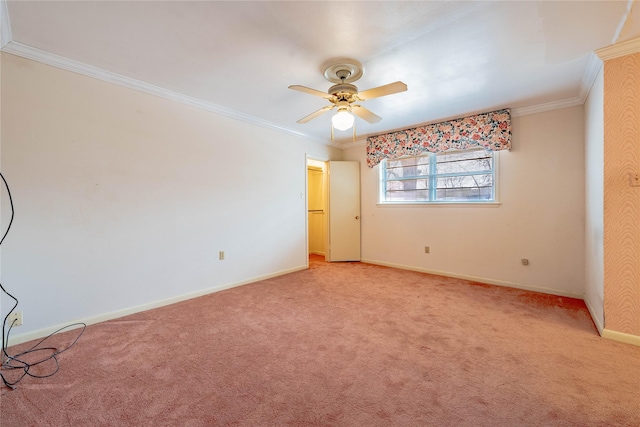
(316, 207)
(333, 210)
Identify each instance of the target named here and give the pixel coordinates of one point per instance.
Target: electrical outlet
(525, 261)
(634, 179)
(15, 319)
(221, 255)
(426, 249)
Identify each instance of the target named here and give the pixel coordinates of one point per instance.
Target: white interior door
(344, 211)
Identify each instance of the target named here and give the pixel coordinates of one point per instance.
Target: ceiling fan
(344, 95)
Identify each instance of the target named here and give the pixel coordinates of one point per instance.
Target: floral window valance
(491, 131)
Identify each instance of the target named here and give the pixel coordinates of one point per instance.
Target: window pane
(459, 176)
(464, 194)
(472, 161)
(409, 184)
(408, 161)
(465, 188)
(465, 181)
(452, 156)
(408, 196)
(407, 167)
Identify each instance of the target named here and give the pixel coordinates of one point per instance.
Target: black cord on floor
(15, 361)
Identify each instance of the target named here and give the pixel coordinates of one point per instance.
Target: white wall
(123, 199)
(594, 200)
(541, 217)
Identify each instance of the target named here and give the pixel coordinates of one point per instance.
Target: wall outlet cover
(15, 319)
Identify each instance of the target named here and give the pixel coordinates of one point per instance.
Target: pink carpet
(342, 344)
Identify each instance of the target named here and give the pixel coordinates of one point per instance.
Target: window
(452, 176)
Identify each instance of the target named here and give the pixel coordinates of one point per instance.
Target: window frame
(432, 165)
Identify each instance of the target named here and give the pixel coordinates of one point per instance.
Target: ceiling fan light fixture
(343, 120)
(343, 95)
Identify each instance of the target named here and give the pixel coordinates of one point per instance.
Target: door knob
(357, 217)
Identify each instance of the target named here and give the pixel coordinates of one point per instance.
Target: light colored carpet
(342, 344)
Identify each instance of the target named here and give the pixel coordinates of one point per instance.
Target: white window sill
(439, 204)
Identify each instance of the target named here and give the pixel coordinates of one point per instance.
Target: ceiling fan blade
(310, 91)
(315, 114)
(365, 114)
(385, 90)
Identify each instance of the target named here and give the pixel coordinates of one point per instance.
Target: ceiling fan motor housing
(344, 92)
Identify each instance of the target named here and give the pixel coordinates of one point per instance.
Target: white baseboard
(608, 333)
(41, 333)
(605, 333)
(621, 337)
(479, 279)
(596, 319)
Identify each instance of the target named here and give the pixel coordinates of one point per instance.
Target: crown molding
(589, 77)
(356, 143)
(54, 60)
(515, 112)
(547, 106)
(334, 144)
(5, 25)
(619, 49)
(28, 52)
(594, 64)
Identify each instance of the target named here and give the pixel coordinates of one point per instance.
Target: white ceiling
(238, 58)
